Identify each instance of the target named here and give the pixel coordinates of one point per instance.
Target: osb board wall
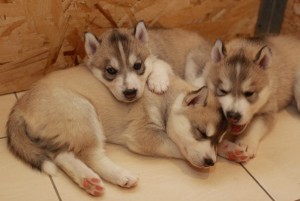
(291, 22)
(40, 36)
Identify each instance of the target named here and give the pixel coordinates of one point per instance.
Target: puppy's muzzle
(130, 94)
(233, 117)
(208, 162)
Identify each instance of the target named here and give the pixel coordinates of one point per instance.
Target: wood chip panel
(37, 37)
(291, 22)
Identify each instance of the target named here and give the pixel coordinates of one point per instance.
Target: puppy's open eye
(137, 66)
(222, 92)
(248, 94)
(110, 70)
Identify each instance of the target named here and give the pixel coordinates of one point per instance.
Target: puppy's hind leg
(153, 142)
(80, 173)
(96, 158)
(93, 154)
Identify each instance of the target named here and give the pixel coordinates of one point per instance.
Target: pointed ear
(196, 97)
(140, 32)
(263, 57)
(218, 51)
(90, 43)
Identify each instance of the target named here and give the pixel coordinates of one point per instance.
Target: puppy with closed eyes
(253, 78)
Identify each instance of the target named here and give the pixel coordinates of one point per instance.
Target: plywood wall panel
(49, 32)
(291, 22)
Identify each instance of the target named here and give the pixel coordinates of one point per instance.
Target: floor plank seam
(258, 182)
(55, 188)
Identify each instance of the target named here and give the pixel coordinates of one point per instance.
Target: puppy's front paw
(249, 147)
(234, 152)
(158, 84)
(127, 179)
(158, 81)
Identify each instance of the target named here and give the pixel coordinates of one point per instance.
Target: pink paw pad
(238, 152)
(232, 152)
(231, 156)
(237, 156)
(243, 158)
(93, 186)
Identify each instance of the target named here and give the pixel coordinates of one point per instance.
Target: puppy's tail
(24, 148)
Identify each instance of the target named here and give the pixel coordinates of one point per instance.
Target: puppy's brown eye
(137, 66)
(248, 93)
(111, 70)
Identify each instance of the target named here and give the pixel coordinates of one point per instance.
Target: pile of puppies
(162, 92)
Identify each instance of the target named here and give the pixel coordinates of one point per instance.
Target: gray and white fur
(253, 78)
(118, 58)
(66, 118)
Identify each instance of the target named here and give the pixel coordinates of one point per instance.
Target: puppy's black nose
(130, 93)
(208, 162)
(233, 116)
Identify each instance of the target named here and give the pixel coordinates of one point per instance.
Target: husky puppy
(253, 78)
(119, 56)
(65, 119)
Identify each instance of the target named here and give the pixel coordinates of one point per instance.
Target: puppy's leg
(165, 148)
(232, 151)
(152, 142)
(246, 145)
(80, 173)
(100, 163)
(158, 80)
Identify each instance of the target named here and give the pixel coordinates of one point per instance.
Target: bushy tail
(24, 148)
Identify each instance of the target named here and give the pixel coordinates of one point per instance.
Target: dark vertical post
(270, 17)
